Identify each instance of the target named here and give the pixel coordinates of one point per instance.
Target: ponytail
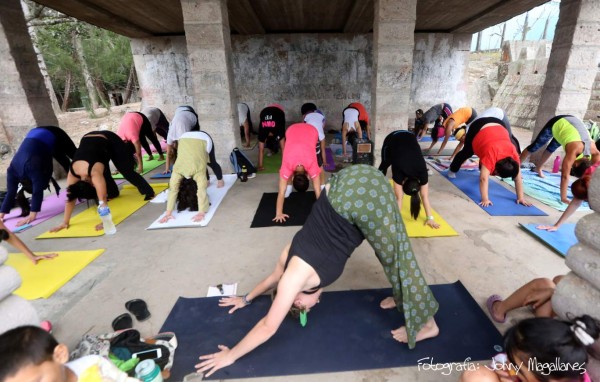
(412, 187)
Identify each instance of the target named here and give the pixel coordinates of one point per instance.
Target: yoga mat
(442, 163)
(84, 223)
(503, 199)
(347, 331)
(297, 205)
(149, 165)
(184, 218)
(163, 146)
(272, 163)
(160, 175)
(330, 160)
(45, 278)
(546, 190)
(560, 240)
(428, 138)
(417, 228)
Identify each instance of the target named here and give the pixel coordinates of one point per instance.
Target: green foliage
(108, 56)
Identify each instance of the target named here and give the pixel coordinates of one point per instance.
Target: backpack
(239, 159)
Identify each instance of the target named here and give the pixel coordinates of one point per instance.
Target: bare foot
(387, 303)
(495, 314)
(220, 183)
(540, 172)
(430, 330)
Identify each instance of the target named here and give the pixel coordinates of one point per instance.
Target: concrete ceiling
(146, 18)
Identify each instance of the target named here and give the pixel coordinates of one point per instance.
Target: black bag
(130, 340)
(238, 160)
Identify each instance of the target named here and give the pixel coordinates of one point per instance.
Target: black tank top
(92, 149)
(326, 241)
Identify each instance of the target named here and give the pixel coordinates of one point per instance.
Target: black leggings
(146, 132)
(214, 165)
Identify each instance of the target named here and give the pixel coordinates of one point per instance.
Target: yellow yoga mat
(45, 278)
(417, 228)
(84, 224)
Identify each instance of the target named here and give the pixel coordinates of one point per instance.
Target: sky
(490, 38)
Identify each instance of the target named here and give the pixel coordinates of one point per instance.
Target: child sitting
(29, 353)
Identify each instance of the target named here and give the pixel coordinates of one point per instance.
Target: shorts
(350, 117)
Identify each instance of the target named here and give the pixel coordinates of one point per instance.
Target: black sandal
(138, 308)
(124, 321)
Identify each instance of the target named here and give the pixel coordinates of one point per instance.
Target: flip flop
(138, 308)
(124, 321)
(490, 303)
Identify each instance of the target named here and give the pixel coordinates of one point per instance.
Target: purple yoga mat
(330, 161)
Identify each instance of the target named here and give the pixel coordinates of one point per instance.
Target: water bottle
(244, 177)
(148, 371)
(107, 222)
(556, 165)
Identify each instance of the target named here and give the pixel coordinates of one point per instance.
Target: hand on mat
(47, 256)
(538, 297)
(214, 362)
(166, 172)
(280, 218)
(549, 228)
(220, 183)
(99, 227)
(432, 224)
(524, 202)
(235, 301)
(60, 227)
(198, 217)
(486, 203)
(22, 222)
(565, 200)
(166, 218)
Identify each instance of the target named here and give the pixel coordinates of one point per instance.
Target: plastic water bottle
(244, 177)
(107, 222)
(148, 371)
(556, 165)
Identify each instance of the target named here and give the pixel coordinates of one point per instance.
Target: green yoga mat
(149, 165)
(271, 164)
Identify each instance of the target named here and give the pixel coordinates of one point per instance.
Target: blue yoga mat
(160, 175)
(560, 241)
(428, 138)
(346, 331)
(503, 199)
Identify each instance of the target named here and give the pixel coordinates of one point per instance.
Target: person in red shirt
(299, 159)
(490, 140)
(356, 119)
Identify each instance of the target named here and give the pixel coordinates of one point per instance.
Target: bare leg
(344, 137)
(429, 330)
(482, 374)
(282, 145)
(247, 133)
(540, 163)
(520, 296)
(524, 155)
(261, 154)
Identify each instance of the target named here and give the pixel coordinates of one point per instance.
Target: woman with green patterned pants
(358, 203)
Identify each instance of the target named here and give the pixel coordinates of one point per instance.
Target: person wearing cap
(31, 169)
(272, 127)
(490, 140)
(314, 117)
(580, 152)
(401, 150)
(443, 110)
(464, 115)
(358, 203)
(356, 120)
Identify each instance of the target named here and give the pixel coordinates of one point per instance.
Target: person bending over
(89, 176)
(430, 116)
(358, 203)
(271, 128)
(192, 159)
(579, 189)
(299, 159)
(356, 121)
(158, 121)
(245, 122)
(314, 117)
(401, 150)
(464, 115)
(490, 140)
(12, 239)
(542, 350)
(133, 129)
(31, 168)
(580, 151)
(184, 120)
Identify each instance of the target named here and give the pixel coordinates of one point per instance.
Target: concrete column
(579, 292)
(573, 62)
(163, 72)
(24, 100)
(393, 45)
(208, 39)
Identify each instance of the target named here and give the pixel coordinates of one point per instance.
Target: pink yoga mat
(163, 146)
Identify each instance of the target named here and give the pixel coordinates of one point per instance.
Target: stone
(16, 311)
(585, 262)
(574, 297)
(594, 192)
(10, 281)
(586, 230)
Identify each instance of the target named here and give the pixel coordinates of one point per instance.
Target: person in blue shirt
(31, 169)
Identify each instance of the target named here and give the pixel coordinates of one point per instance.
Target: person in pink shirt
(299, 160)
(133, 129)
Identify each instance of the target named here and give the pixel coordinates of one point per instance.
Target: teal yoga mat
(346, 331)
(560, 241)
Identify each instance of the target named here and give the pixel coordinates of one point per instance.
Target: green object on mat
(149, 165)
(303, 318)
(271, 164)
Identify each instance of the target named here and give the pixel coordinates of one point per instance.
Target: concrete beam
(355, 23)
(243, 18)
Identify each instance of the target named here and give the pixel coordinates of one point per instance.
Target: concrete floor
(491, 255)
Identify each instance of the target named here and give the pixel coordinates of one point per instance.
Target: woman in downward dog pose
(359, 203)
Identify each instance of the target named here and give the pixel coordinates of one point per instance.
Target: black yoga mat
(297, 206)
(346, 331)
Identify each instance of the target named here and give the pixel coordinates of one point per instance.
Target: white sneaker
(451, 174)
(288, 190)
(253, 175)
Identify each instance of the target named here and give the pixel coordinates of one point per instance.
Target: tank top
(92, 150)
